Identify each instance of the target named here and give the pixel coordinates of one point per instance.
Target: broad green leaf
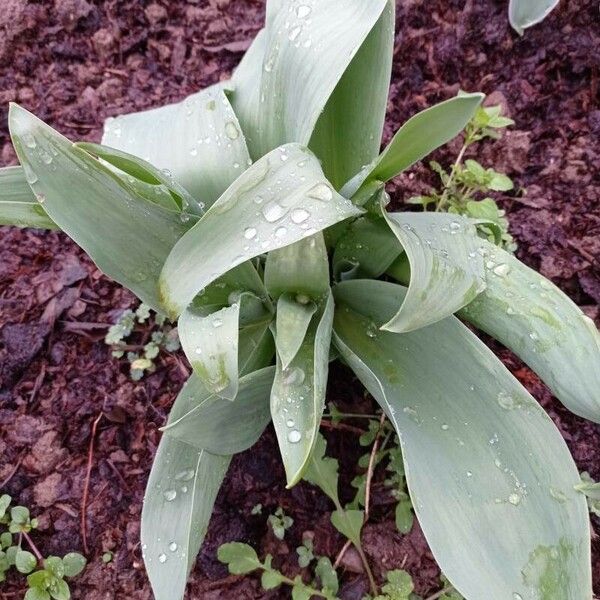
(36, 594)
(59, 590)
(179, 499)
(240, 558)
(446, 267)
(417, 138)
(322, 470)
(368, 243)
(302, 268)
(327, 575)
(348, 132)
(156, 183)
(210, 343)
(74, 564)
(128, 237)
(18, 204)
(280, 200)
(298, 395)
(198, 141)
(525, 13)
(531, 316)
(284, 84)
(293, 319)
(349, 523)
(25, 562)
(220, 426)
(468, 427)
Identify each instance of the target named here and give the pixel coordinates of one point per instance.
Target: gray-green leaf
(525, 13)
(446, 267)
(130, 237)
(298, 395)
(280, 200)
(417, 138)
(546, 329)
(222, 427)
(198, 141)
(468, 427)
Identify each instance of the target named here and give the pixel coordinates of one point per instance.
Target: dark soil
(76, 62)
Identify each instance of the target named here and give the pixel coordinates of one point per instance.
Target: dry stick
(37, 553)
(440, 593)
(370, 471)
(86, 487)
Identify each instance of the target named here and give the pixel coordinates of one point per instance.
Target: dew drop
(41, 198)
(280, 232)
(250, 233)
(162, 558)
(170, 495)
(299, 215)
(502, 270)
(506, 401)
(322, 192)
(194, 152)
(173, 547)
(517, 596)
(217, 323)
(294, 33)
(445, 427)
(290, 423)
(514, 499)
(294, 436)
(231, 130)
(29, 140)
(293, 376)
(186, 475)
(303, 11)
(273, 212)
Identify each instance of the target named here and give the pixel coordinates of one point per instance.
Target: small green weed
(141, 355)
(464, 189)
(48, 581)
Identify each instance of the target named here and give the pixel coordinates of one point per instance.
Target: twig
(14, 471)
(342, 427)
(339, 557)
(86, 487)
(440, 593)
(37, 553)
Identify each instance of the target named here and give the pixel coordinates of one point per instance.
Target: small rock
(103, 41)
(155, 13)
(48, 491)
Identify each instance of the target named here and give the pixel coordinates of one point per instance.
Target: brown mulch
(76, 62)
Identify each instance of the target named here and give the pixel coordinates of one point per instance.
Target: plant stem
(444, 198)
(371, 468)
(351, 416)
(363, 557)
(33, 547)
(292, 583)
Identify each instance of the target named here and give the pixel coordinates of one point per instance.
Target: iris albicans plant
(255, 213)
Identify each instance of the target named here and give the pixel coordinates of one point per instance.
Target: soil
(76, 62)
